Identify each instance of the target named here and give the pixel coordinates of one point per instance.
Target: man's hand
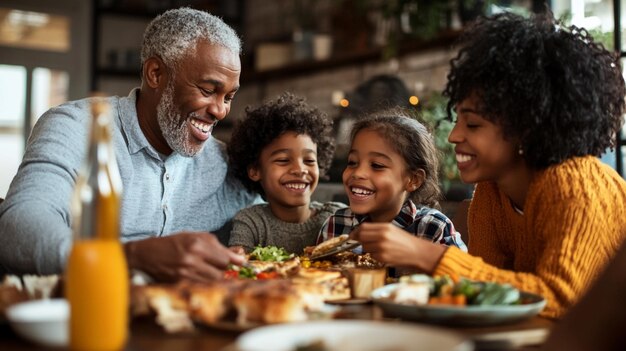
(238, 250)
(183, 256)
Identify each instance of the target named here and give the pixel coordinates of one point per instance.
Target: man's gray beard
(173, 125)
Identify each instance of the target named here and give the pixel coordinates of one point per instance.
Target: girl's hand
(392, 245)
(386, 243)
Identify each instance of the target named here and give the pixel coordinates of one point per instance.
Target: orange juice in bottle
(96, 273)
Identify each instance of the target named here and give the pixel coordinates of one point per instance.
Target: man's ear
(154, 72)
(254, 173)
(416, 179)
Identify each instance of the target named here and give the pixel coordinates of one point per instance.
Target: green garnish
(270, 253)
(497, 294)
(246, 272)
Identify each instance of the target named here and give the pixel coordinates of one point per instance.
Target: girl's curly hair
(413, 142)
(262, 125)
(550, 87)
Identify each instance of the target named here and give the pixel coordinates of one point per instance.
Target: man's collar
(137, 140)
(130, 123)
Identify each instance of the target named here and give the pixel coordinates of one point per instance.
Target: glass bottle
(97, 282)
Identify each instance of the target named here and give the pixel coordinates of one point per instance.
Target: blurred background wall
(344, 56)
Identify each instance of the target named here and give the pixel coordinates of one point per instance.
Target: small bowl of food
(44, 322)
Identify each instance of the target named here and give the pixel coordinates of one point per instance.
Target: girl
(280, 150)
(536, 102)
(392, 185)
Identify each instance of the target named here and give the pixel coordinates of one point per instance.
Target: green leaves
(247, 272)
(496, 294)
(270, 253)
(434, 115)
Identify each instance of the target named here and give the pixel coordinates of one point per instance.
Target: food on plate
(331, 285)
(329, 244)
(420, 289)
(242, 300)
(363, 272)
(314, 275)
(208, 303)
(348, 259)
(177, 306)
(414, 290)
(273, 301)
(493, 294)
(255, 269)
(270, 253)
(305, 262)
(269, 262)
(168, 302)
(271, 287)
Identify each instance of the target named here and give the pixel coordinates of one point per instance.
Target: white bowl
(352, 335)
(42, 321)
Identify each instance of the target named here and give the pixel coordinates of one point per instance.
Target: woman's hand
(392, 245)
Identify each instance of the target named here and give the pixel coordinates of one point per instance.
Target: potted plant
(434, 115)
(425, 19)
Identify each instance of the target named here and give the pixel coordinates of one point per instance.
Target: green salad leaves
(270, 253)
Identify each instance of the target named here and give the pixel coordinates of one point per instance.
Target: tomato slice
(267, 275)
(231, 274)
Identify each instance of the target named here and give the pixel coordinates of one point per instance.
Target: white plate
(459, 315)
(352, 335)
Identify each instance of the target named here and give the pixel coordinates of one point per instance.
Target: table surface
(146, 335)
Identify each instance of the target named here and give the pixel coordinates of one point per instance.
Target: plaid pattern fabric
(424, 222)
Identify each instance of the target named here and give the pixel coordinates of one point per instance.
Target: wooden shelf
(446, 38)
(149, 14)
(119, 72)
(128, 12)
(309, 67)
(249, 75)
(140, 11)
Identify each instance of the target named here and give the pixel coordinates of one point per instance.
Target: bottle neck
(98, 189)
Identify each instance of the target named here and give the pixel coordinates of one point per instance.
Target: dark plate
(459, 315)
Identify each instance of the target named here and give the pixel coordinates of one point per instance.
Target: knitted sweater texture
(574, 221)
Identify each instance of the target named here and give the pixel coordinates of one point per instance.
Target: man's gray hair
(174, 34)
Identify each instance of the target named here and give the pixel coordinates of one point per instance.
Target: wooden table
(147, 336)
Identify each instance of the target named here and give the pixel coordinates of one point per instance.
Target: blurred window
(598, 17)
(48, 88)
(13, 92)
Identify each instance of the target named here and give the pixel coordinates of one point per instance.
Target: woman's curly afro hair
(262, 125)
(551, 88)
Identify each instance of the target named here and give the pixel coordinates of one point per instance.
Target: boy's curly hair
(550, 87)
(260, 126)
(413, 142)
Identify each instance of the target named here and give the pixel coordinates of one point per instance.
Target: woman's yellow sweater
(574, 220)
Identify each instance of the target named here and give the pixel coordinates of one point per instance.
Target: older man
(176, 185)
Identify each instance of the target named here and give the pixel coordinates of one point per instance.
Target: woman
(536, 103)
